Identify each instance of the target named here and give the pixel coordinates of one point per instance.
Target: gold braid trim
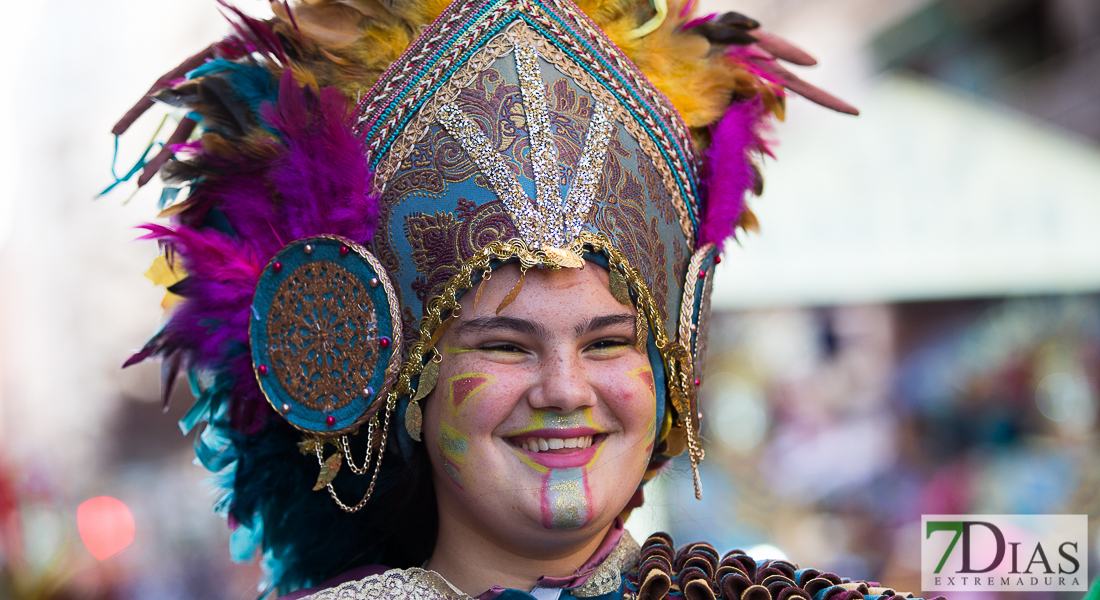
(677, 359)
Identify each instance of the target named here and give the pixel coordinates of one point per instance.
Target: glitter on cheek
(566, 498)
(452, 446)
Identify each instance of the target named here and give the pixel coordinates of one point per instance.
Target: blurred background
(916, 329)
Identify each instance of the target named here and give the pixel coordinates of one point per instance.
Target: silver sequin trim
(549, 219)
(544, 151)
(530, 223)
(583, 191)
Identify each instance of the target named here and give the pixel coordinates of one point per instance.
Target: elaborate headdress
(363, 164)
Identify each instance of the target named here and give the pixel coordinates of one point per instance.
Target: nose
(563, 384)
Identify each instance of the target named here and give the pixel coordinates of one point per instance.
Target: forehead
(551, 295)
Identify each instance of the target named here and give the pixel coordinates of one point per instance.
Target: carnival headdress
(363, 164)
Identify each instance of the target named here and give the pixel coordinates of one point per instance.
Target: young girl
(440, 284)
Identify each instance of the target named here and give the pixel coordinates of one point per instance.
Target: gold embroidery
(323, 336)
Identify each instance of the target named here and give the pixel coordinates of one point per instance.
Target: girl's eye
(609, 344)
(501, 347)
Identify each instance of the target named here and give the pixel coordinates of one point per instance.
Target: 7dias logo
(1011, 553)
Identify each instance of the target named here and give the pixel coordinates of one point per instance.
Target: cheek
(631, 395)
(465, 422)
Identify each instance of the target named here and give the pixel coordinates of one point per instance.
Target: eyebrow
(604, 322)
(504, 323)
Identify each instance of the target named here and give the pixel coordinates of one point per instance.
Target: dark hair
(312, 539)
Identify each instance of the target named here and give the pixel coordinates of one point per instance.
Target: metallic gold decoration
(323, 334)
(428, 378)
(564, 258)
(329, 470)
(641, 326)
(702, 328)
(414, 420)
(310, 445)
(687, 303)
(619, 288)
(514, 292)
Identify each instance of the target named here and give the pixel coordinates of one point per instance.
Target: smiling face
(543, 420)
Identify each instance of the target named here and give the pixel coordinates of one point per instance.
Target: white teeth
(544, 444)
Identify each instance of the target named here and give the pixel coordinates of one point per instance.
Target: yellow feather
(162, 273)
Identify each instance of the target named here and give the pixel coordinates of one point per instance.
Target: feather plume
(732, 173)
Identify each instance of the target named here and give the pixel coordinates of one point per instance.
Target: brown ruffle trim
(696, 572)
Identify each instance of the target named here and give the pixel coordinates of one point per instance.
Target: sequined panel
(582, 193)
(544, 152)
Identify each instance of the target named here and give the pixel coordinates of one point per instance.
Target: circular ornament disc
(323, 335)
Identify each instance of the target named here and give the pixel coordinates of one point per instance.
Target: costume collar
(601, 574)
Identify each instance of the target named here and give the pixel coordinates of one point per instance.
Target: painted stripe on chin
(565, 498)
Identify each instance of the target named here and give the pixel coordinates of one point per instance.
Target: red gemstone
(330, 420)
(698, 383)
(277, 266)
(344, 250)
(717, 260)
(384, 342)
(702, 274)
(262, 369)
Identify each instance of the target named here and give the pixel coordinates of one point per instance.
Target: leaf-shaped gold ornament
(414, 420)
(428, 378)
(477, 296)
(512, 294)
(328, 471)
(642, 332)
(564, 257)
(620, 289)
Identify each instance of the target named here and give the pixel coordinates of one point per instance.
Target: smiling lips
(559, 448)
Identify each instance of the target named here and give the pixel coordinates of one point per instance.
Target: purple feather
(310, 179)
(731, 172)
